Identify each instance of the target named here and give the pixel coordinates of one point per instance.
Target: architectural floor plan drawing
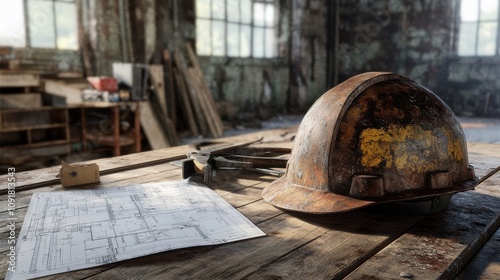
(71, 230)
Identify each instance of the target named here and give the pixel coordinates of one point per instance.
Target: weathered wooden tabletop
(462, 241)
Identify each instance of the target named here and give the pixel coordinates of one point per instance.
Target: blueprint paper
(64, 231)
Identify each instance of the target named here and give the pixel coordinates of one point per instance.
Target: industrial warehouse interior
(250, 139)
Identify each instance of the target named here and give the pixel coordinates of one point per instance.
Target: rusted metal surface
(377, 137)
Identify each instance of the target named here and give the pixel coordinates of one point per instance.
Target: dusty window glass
(203, 45)
(66, 26)
(478, 28)
(12, 28)
(41, 24)
(235, 28)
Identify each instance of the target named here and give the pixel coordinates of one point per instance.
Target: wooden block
(78, 174)
(19, 80)
(71, 91)
(152, 128)
(21, 100)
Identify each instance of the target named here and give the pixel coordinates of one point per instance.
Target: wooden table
(356, 245)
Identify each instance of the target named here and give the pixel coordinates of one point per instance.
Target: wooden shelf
(44, 126)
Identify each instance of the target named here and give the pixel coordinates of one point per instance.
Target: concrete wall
(416, 39)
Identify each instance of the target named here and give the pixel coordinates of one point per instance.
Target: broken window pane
(469, 10)
(258, 42)
(488, 10)
(218, 38)
(218, 11)
(12, 28)
(245, 34)
(203, 46)
(259, 14)
(246, 11)
(487, 38)
(203, 8)
(41, 24)
(467, 39)
(269, 42)
(233, 39)
(66, 26)
(233, 10)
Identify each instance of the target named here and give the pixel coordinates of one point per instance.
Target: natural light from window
(478, 28)
(12, 31)
(49, 23)
(235, 28)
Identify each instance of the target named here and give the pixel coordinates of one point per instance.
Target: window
(478, 28)
(235, 28)
(39, 24)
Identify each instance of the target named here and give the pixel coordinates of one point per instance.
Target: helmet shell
(377, 137)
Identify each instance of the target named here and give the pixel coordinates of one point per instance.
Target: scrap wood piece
(169, 86)
(205, 89)
(186, 104)
(156, 75)
(182, 66)
(152, 128)
(205, 105)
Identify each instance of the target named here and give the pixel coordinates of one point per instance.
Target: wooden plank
(72, 92)
(46, 176)
(205, 110)
(439, 245)
(19, 80)
(205, 90)
(197, 108)
(169, 86)
(486, 263)
(186, 104)
(156, 74)
(22, 100)
(152, 128)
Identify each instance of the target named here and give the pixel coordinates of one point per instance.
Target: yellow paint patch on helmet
(408, 148)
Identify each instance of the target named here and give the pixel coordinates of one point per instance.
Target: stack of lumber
(198, 107)
(180, 100)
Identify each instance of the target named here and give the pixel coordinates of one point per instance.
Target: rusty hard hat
(375, 138)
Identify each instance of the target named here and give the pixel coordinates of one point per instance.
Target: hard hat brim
(302, 199)
(298, 198)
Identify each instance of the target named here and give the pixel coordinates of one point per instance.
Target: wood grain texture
(441, 244)
(358, 244)
(152, 128)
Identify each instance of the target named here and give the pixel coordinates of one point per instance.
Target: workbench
(462, 241)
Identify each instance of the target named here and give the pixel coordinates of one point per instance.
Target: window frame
(252, 25)
(29, 25)
(478, 23)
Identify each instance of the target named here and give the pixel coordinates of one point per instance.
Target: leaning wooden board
(356, 244)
